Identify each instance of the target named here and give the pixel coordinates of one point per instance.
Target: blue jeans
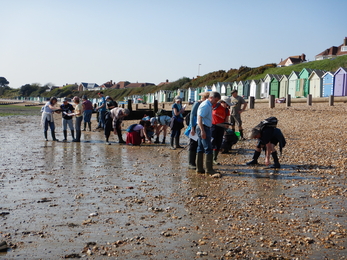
(204, 145)
(102, 119)
(67, 122)
(51, 125)
(87, 115)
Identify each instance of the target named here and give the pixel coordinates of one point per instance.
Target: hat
(226, 99)
(178, 97)
(84, 97)
(233, 91)
(100, 93)
(107, 97)
(66, 99)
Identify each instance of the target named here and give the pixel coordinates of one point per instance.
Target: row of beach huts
(318, 83)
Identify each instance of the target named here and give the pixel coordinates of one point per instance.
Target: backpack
(131, 128)
(268, 122)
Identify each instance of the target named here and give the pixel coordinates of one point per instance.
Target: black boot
(157, 140)
(84, 126)
(241, 135)
(90, 126)
(192, 160)
(255, 159)
(45, 134)
(53, 136)
(163, 142)
(177, 142)
(276, 161)
(65, 135)
(215, 155)
(172, 143)
(200, 163)
(78, 136)
(73, 134)
(209, 164)
(120, 137)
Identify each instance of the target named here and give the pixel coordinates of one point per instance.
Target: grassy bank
(12, 110)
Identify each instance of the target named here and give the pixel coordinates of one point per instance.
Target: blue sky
(73, 41)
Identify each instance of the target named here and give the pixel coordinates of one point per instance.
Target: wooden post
(309, 100)
(123, 105)
(251, 102)
(130, 107)
(288, 100)
(331, 100)
(150, 106)
(137, 107)
(155, 108)
(162, 105)
(272, 101)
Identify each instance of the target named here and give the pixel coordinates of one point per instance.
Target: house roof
(335, 51)
(89, 85)
(293, 59)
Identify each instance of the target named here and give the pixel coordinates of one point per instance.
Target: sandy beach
(95, 201)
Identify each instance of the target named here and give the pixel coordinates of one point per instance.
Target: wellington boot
(276, 161)
(163, 142)
(209, 164)
(120, 137)
(84, 126)
(215, 155)
(192, 160)
(73, 134)
(45, 134)
(172, 143)
(255, 159)
(65, 135)
(53, 136)
(241, 135)
(177, 142)
(78, 136)
(90, 126)
(200, 163)
(157, 140)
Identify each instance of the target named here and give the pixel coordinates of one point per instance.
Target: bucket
(238, 135)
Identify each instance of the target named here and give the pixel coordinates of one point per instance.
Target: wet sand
(100, 201)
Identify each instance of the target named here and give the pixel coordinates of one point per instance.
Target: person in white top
(47, 117)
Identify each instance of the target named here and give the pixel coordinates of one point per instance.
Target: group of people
(68, 112)
(209, 119)
(108, 113)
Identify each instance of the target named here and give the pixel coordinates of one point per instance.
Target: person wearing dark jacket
(268, 138)
(67, 111)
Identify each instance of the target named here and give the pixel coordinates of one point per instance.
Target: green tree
(3, 82)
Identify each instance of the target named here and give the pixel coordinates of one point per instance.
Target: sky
(72, 41)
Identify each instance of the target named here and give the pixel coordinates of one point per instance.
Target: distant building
(333, 51)
(292, 60)
(108, 85)
(122, 84)
(163, 83)
(88, 86)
